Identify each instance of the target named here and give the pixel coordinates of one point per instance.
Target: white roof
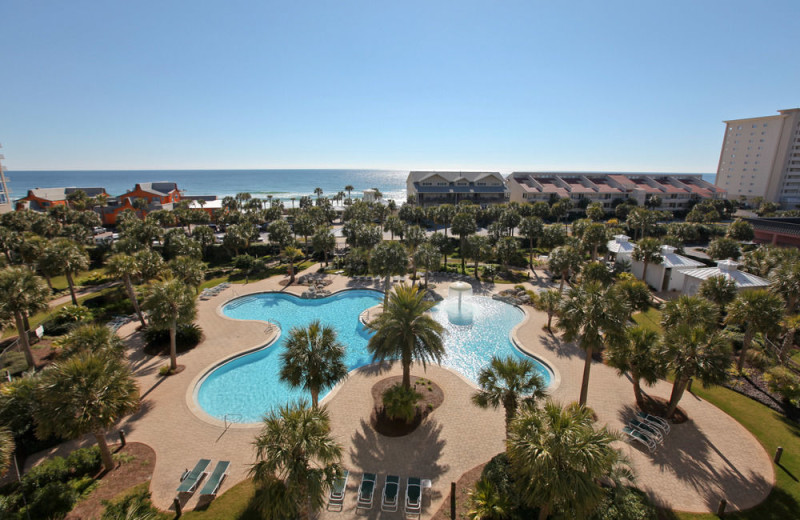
(620, 246)
(742, 279)
(210, 204)
(672, 260)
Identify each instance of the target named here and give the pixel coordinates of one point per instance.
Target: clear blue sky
(581, 85)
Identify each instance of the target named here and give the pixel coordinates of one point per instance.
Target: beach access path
(709, 457)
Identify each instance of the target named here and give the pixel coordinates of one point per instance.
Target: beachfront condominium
(431, 188)
(760, 157)
(5, 197)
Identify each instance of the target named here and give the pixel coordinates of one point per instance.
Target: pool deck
(709, 457)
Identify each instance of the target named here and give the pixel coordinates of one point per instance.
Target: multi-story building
(431, 188)
(40, 199)
(760, 157)
(5, 195)
(675, 191)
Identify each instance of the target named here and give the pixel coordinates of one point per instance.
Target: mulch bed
(431, 395)
(753, 385)
(136, 467)
(464, 485)
(658, 406)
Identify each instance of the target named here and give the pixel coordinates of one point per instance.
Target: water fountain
(459, 309)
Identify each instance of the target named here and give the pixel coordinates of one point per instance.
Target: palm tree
(428, 257)
(323, 241)
(564, 260)
(549, 302)
(478, 249)
(22, 294)
(404, 330)
(313, 359)
(647, 251)
(388, 259)
(189, 270)
(348, 189)
(297, 461)
(720, 290)
(790, 324)
(125, 267)
(414, 237)
(690, 310)
(464, 225)
(96, 339)
(509, 382)
(592, 316)
(640, 357)
(71, 258)
(694, 351)
(785, 280)
(593, 237)
(292, 255)
(87, 393)
(757, 311)
(318, 192)
(531, 228)
(559, 460)
(170, 303)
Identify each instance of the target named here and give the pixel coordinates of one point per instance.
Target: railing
(232, 416)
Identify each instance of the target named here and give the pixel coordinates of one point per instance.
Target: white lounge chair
(390, 497)
(366, 490)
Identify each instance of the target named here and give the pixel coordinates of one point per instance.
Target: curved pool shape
(246, 387)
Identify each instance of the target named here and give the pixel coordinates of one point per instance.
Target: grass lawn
(650, 319)
(234, 504)
(60, 282)
(772, 430)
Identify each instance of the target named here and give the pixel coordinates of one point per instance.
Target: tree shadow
(692, 457)
(555, 345)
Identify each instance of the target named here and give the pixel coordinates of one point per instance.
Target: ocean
(281, 184)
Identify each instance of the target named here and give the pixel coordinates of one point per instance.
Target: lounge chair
(338, 490)
(366, 490)
(640, 437)
(391, 494)
(648, 429)
(414, 496)
(189, 479)
(655, 420)
(215, 480)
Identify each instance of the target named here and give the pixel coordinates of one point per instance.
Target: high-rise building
(5, 196)
(760, 157)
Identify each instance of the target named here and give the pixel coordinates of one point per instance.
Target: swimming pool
(246, 387)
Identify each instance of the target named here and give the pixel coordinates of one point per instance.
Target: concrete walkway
(708, 458)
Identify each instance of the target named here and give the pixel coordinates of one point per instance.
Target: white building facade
(669, 274)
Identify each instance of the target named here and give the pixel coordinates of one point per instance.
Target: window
(739, 127)
(754, 126)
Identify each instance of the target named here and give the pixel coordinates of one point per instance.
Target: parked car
(98, 230)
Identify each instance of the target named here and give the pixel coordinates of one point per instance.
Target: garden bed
(432, 398)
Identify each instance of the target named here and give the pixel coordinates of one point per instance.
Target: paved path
(709, 457)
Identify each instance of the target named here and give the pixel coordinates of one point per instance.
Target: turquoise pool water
(246, 387)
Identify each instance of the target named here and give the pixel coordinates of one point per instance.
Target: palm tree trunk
(637, 390)
(587, 367)
(644, 272)
(71, 288)
(23, 339)
(594, 253)
(677, 392)
(530, 253)
(49, 281)
(563, 279)
(314, 398)
(788, 341)
(386, 286)
(134, 300)
(406, 372)
(476, 270)
(173, 349)
(461, 253)
(291, 272)
(544, 512)
(510, 406)
(549, 320)
(748, 338)
(105, 453)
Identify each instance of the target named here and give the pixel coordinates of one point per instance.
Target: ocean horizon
(281, 184)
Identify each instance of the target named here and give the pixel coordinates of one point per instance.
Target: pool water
(246, 387)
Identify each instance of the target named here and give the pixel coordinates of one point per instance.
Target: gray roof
(742, 279)
(450, 176)
(159, 188)
(61, 193)
(676, 260)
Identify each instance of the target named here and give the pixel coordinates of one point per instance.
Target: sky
(639, 85)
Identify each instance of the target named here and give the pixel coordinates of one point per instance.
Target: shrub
(53, 470)
(784, 382)
(85, 461)
(135, 504)
(53, 500)
(625, 504)
(186, 337)
(400, 403)
(83, 486)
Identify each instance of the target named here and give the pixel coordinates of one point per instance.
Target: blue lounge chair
(648, 429)
(189, 479)
(658, 422)
(366, 490)
(215, 480)
(414, 496)
(338, 489)
(640, 437)
(391, 494)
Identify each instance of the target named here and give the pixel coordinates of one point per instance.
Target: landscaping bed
(432, 398)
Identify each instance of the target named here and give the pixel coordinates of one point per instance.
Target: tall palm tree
(126, 268)
(647, 251)
(428, 257)
(564, 260)
(388, 259)
(531, 228)
(87, 393)
(694, 351)
(509, 382)
(720, 290)
(171, 303)
(348, 189)
(318, 192)
(757, 311)
(71, 258)
(323, 241)
(413, 238)
(292, 255)
(313, 359)
(404, 330)
(594, 236)
(790, 325)
(549, 302)
(592, 316)
(464, 225)
(640, 357)
(297, 461)
(22, 294)
(559, 460)
(785, 280)
(189, 270)
(479, 249)
(689, 310)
